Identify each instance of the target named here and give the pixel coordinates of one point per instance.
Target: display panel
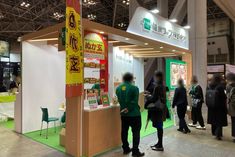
(95, 66)
(175, 70)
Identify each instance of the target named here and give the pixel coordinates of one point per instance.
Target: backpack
(211, 98)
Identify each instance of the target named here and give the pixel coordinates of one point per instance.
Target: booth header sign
(74, 53)
(155, 27)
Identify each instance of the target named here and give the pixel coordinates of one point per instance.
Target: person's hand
(125, 110)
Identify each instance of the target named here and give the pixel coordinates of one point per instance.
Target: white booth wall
(120, 63)
(43, 83)
(43, 79)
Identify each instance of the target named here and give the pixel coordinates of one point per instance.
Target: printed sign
(92, 101)
(95, 45)
(155, 27)
(74, 53)
(105, 99)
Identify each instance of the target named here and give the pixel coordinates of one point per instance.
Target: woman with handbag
(196, 94)
(180, 101)
(156, 106)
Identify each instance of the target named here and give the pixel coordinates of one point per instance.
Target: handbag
(158, 105)
(195, 102)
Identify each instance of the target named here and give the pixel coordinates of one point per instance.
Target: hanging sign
(152, 26)
(74, 53)
(95, 45)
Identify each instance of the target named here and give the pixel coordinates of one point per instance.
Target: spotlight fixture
(155, 11)
(173, 20)
(101, 32)
(25, 4)
(161, 47)
(146, 44)
(187, 27)
(173, 50)
(89, 2)
(122, 25)
(91, 17)
(57, 15)
(127, 2)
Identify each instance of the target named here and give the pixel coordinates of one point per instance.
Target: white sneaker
(192, 125)
(201, 128)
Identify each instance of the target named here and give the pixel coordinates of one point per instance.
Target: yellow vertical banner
(74, 52)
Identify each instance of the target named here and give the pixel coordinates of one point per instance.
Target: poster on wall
(4, 49)
(95, 45)
(175, 70)
(96, 48)
(74, 52)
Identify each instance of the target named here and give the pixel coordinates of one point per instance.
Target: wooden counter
(101, 130)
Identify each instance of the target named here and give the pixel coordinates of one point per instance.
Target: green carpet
(53, 140)
(150, 130)
(8, 124)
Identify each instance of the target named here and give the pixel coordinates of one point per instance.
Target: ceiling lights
(155, 11)
(58, 15)
(173, 20)
(89, 2)
(91, 16)
(122, 25)
(25, 4)
(187, 27)
(127, 2)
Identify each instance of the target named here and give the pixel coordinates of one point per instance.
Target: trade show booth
(108, 54)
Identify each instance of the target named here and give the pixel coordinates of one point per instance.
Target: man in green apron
(128, 96)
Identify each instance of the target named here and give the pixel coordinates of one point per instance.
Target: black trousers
(217, 130)
(181, 111)
(233, 126)
(135, 124)
(197, 115)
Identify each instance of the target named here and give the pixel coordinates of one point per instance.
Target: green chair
(63, 118)
(47, 119)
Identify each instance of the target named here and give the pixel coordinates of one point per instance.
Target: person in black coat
(180, 101)
(230, 91)
(157, 116)
(196, 94)
(217, 116)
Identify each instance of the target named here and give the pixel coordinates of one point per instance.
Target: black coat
(180, 98)
(218, 116)
(157, 116)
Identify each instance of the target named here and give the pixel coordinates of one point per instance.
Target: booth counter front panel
(101, 130)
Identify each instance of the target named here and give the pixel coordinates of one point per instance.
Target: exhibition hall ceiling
(19, 17)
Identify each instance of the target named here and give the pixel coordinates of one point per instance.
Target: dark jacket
(197, 93)
(180, 98)
(157, 116)
(128, 97)
(230, 90)
(218, 116)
